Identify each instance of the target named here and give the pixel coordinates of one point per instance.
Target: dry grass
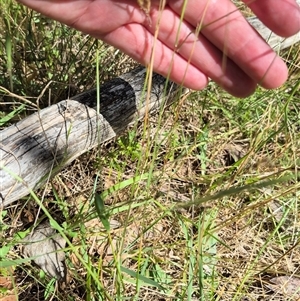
(167, 242)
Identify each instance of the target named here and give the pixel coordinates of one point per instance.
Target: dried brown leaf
(234, 152)
(9, 298)
(276, 210)
(45, 245)
(6, 282)
(285, 285)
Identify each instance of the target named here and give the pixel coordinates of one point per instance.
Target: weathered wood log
(45, 142)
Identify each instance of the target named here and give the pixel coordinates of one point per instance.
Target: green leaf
(124, 184)
(3, 252)
(50, 289)
(146, 281)
(9, 116)
(101, 211)
(11, 263)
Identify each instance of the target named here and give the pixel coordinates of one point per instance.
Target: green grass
(185, 215)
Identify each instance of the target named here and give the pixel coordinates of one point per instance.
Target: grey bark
(43, 143)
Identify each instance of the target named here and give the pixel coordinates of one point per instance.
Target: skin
(227, 50)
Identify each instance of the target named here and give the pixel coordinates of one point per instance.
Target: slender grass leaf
(10, 115)
(102, 212)
(145, 280)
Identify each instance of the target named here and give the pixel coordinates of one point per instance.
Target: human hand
(227, 50)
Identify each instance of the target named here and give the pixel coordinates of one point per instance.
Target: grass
(172, 221)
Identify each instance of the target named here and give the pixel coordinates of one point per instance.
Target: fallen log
(42, 144)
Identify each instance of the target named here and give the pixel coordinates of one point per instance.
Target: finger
(98, 18)
(282, 17)
(225, 27)
(89, 16)
(178, 35)
(136, 41)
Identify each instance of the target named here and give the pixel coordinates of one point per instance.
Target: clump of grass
(156, 239)
(38, 52)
